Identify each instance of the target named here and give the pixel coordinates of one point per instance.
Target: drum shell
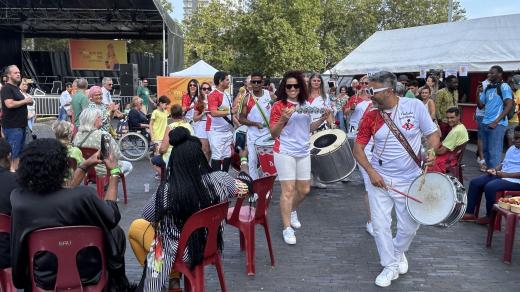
(264, 152)
(333, 166)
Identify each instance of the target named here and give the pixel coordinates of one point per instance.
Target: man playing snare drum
(392, 166)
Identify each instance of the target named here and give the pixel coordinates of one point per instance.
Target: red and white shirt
(218, 100)
(254, 114)
(413, 120)
(188, 103)
(318, 102)
(356, 116)
(295, 136)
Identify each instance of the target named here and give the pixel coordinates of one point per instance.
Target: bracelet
(85, 170)
(115, 171)
(243, 163)
(243, 159)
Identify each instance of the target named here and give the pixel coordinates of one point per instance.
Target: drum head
(438, 196)
(327, 141)
(265, 140)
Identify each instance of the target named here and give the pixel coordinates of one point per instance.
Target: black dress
(66, 207)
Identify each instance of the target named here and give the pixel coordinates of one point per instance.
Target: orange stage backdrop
(97, 54)
(175, 87)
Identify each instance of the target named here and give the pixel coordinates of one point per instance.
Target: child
(158, 124)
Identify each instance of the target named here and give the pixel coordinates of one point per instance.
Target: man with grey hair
(14, 108)
(392, 166)
(107, 85)
(79, 100)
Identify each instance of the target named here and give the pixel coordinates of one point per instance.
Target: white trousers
(381, 203)
(252, 157)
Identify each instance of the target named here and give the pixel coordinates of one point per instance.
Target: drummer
(291, 149)
(255, 112)
(318, 98)
(392, 166)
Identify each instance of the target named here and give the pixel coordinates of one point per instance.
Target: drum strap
(400, 137)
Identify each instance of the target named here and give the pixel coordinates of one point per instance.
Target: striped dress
(225, 186)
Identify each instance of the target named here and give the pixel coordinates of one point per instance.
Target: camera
(332, 84)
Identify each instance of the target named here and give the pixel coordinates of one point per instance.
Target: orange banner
(175, 87)
(97, 54)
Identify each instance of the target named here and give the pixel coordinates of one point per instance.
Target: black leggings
(221, 164)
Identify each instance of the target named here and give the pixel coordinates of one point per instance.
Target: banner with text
(97, 54)
(175, 87)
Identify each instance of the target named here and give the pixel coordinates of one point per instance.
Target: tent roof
(480, 43)
(199, 69)
(138, 19)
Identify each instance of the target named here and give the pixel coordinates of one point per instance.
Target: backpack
(498, 86)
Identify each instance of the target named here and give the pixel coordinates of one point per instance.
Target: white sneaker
(318, 185)
(288, 235)
(370, 229)
(385, 278)
(295, 223)
(346, 180)
(403, 264)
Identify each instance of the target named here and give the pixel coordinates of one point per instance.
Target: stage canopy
(479, 43)
(92, 19)
(199, 69)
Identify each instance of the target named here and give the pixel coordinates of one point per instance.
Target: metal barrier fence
(49, 105)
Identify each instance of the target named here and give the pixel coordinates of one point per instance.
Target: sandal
(483, 166)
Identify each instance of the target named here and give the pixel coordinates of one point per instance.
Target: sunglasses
(256, 81)
(110, 84)
(365, 83)
(290, 86)
(206, 88)
(372, 91)
(193, 85)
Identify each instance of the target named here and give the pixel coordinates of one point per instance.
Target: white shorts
(292, 168)
(199, 129)
(220, 144)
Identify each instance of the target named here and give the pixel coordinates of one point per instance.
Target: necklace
(379, 161)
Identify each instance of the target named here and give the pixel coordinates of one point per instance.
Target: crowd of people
(400, 127)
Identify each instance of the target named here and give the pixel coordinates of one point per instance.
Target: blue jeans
(62, 114)
(489, 184)
(493, 144)
(16, 138)
(341, 118)
(479, 126)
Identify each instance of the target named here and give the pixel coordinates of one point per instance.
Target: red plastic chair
(65, 243)
(497, 197)
(6, 279)
(509, 239)
(245, 218)
(456, 170)
(209, 218)
(101, 181)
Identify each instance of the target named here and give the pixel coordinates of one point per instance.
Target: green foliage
(273, 36)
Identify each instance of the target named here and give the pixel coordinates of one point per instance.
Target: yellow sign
(97, 54)
(175, 87)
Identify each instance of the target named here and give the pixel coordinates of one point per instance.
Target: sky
(474, 8)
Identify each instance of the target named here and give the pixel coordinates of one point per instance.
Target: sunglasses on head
(290, 86)
(371, 91)
(206, 88)
(256, 81)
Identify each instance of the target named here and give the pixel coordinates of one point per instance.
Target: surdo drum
(264, 151)
(331, 156)
(443, 199)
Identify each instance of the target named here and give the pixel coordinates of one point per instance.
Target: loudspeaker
(128, 79)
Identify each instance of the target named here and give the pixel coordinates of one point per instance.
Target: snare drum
(443, 199)
(264, 151)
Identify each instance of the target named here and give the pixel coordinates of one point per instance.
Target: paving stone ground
(334, 253)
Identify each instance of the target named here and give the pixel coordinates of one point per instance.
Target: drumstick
(405, 194)
(423, 178)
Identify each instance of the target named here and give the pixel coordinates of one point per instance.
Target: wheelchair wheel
(133, 146)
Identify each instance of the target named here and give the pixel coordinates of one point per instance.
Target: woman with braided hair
(191, 185)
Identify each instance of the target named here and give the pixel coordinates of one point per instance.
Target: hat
(516, 81)
(403, 77)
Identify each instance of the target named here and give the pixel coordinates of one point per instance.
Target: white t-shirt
(295, 136)
(356, 116)
(319, 103)
(107, 97)
(65, 98)
(413, 120)
(218, 100)
(254, 114)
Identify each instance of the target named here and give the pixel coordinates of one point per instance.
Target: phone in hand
(105, 146)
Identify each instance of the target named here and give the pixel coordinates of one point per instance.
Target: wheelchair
(134, 144)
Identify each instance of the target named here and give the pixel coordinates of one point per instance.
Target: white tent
(199, 69)
(479, 43)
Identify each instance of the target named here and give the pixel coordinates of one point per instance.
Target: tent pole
(450, 10)
(164, 50)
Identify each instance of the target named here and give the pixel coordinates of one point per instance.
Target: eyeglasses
(206, 88)
(371, 91)
(110, 84)
(290, 86)
(365, 83)
(193, 85)
(256, 81)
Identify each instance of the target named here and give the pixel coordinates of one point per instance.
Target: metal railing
(49, 105)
